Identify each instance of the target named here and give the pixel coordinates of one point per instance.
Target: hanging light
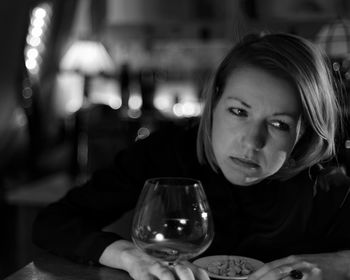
(87, 60)
(36, 36)
(334, 38)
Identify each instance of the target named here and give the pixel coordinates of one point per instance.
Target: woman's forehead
(254, 88)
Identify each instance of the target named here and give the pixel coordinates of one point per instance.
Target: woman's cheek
(276, 160)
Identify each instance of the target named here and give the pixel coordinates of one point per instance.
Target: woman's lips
(246, 163)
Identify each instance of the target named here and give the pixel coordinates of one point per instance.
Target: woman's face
(256, 124)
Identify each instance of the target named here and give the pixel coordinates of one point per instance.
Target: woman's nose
(255, 137)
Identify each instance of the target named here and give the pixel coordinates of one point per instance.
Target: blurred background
(82, 79)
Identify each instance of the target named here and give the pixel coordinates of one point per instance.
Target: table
(46, 266)
(26, 200)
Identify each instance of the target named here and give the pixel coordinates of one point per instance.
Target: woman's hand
(124, 255)
(335, 266)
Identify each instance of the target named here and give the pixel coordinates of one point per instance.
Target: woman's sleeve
(72, 227)
(339, 229)
(333, 210)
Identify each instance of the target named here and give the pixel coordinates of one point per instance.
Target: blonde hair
(298, 61)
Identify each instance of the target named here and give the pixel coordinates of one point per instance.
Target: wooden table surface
(49, 267)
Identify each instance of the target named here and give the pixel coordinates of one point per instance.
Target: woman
(269, 121)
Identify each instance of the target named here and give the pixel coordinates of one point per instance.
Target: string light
(36, 38)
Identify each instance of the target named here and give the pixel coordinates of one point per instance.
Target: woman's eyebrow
(239, 100)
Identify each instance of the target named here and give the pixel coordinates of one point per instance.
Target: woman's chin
(240, 179)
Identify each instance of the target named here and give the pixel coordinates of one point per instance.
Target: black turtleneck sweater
(266, 221)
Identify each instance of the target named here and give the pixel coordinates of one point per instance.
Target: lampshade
(87, 57)
(334, 38)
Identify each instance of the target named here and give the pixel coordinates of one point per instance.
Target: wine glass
(172, 220)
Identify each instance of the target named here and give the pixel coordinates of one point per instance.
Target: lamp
(88, 58)
(334, 38)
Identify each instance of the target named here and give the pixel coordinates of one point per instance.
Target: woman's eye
(238, 112)
(280, 125)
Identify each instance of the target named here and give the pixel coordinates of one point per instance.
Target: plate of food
(229, 267)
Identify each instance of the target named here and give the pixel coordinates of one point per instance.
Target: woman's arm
(332, 200)
(124, 255)
(335, 266)
(72, 227)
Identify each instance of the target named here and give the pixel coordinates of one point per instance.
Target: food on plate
(231, 267)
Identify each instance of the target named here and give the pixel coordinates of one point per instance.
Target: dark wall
(13, 130)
